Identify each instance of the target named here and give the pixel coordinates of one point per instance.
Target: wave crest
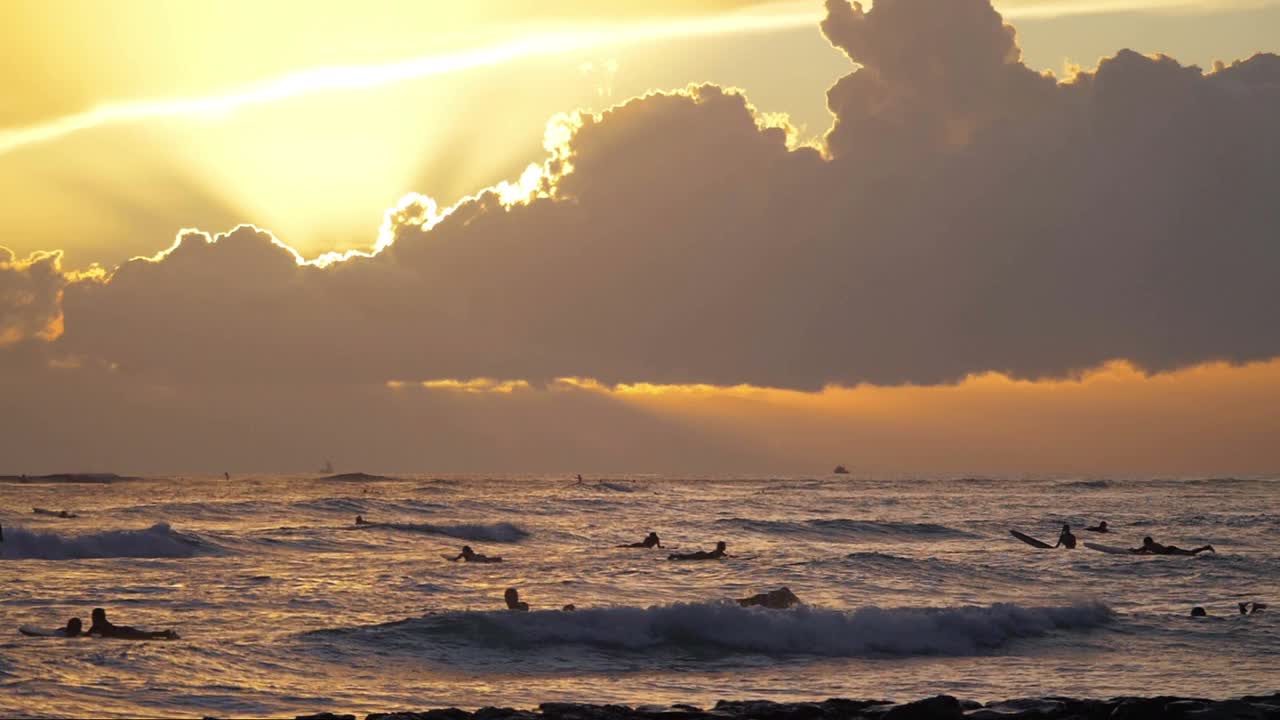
(157, 541)
(840, 529)
(870, 631)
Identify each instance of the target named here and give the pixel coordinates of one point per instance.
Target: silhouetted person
(701, 554)
(103, 628)
(779, 599)
(1245, 609)
(1198, 611)
(1099, 528)
(73, 629)
(226, 476)
(569, 608)
(1151, 547)
(651, 541)
(512, 596)
(469, 555)
(361, 521)
(1066, 539)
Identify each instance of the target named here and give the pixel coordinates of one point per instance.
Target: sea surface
(913, 586)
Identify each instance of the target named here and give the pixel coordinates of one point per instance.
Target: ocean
(912, 587)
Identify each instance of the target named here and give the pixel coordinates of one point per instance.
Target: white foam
(157, 541)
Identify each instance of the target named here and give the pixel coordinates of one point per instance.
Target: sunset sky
(659, 236)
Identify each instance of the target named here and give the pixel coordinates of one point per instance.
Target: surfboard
(1109, 549)
(32, 631)
(1030, 540)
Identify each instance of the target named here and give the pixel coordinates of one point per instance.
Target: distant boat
(841, 470)
(328, 467)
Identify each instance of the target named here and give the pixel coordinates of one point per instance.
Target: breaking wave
(870, 631)
(157, 541)
(502, 532)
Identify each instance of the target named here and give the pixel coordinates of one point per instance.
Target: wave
(157, 541)
(502, 532)
(68, 478)
(1085, 484)
(837, 529)
(726, 627)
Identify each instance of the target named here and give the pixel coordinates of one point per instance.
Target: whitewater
(912, 587)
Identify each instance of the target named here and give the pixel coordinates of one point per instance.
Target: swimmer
(1066, 539)
(103, 628)
(701, 554)
(1256, 608)
(1099, 528)
(779, 599)
(1198, 611)
(469, 555)
(651, 541)
(512, 596)
(361, 521)
(1151, 547)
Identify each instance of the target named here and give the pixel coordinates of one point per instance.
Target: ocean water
(913, 587)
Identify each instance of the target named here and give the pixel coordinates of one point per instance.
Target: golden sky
(126, 122)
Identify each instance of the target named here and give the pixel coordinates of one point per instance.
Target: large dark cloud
(965, 214)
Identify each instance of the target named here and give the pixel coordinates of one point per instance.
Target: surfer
(1151, 547)
(701, 554)
(1256, 608)
(651, 541)
(779, 599)
(1198, 611)
(103, 628)
(469, 555)
(512, 596)
(1066, 539)
(1099, 528)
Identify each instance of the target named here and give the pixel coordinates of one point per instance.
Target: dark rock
(574, 711)
(841, 709)
(939, 707)
(325, 716)
(766, 710)
(438, 714)
(493, 713)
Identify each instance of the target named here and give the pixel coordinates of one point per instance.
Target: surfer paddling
(469, 555)
(1151, 547)
(701, 554)
(651, 541)
(103, 628)
(1099, 528)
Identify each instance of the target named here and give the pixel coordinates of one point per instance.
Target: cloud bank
(964, 214)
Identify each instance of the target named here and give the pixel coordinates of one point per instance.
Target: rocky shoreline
(941, 707)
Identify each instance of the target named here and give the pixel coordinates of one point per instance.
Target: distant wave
(846, 529)
(502, 532)
(68, 478)
(727, 627)
(157, 541)
(1085, 484)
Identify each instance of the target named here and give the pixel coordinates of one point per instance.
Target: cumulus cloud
(964, 214)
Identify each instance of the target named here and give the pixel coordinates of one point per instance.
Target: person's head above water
(720, 546)
(73, 627)
(1198, 611)
(1102, 524)
(466, 550)
(98, 615)
(1148, 541)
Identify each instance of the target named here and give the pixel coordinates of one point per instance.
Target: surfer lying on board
(469, 555)
(103, 628)
(1100, 527)
(701, 554)
(1151, 547)
(779, 599)
(1066, 539)
(651, 541)
(361, 521)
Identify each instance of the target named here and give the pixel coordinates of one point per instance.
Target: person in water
(701, 554)
(1151, 547)
(1099, 528)
(469, 555)
(74, 628)
(779, 599)
(1198, 611)
(651, 541)
(1066, 539)
(103, 628)
(1256, 608)
(512, 596)
(361, 521)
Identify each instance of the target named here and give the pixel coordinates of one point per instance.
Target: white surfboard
(1109, 549)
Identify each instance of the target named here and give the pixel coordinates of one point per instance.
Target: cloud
(30, 290)
(964, 215)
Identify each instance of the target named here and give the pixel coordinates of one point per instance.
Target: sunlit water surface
(913, 587)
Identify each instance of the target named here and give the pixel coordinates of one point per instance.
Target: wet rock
(494, 713)
(326, 716)
(574, 711)
(439, 714)
(939, 707)
(766, 710)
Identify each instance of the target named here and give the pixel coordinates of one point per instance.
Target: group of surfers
(102, 627)
(1149, 546)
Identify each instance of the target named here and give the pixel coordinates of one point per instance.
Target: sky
(929, 236)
